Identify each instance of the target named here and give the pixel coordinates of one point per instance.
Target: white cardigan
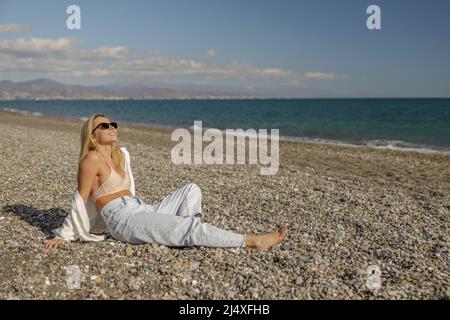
(85, 222)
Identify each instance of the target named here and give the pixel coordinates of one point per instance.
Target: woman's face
(101, 135)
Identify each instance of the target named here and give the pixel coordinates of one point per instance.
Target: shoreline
(388, 144)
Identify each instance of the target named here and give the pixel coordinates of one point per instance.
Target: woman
(175, 221)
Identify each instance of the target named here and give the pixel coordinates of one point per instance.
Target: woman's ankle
(250, 241)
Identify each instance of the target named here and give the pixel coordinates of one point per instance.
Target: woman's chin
(110, 141)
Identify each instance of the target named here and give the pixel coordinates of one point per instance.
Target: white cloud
(273, 72)
(37, 46)
(61, 57)
(11, 28)
(105, 53)
(325, 76)
(247, 69)
(320, 75)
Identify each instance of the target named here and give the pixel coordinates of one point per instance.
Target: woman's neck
(104, 150)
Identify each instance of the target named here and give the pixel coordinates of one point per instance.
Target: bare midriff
(101, 202)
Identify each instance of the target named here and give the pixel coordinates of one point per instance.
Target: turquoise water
(408, 123)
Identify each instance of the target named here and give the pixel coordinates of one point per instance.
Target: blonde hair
(87, 144)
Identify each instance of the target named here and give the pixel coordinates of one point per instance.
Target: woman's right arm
(87, 171)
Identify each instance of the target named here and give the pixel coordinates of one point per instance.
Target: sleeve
(128, 165)
(76, 226)
(66, 231)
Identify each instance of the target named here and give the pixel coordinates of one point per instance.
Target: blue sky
(284, 48)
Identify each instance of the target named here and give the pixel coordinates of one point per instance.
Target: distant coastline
(47, 89)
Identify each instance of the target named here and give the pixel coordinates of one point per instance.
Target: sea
(402, 123)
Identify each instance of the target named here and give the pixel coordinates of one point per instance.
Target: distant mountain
(46, 89)
(273, 91)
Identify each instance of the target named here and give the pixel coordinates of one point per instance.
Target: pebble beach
(347, 208)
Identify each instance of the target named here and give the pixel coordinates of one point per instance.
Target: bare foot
(265, 241)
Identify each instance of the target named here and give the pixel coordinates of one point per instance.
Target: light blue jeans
(174, 221)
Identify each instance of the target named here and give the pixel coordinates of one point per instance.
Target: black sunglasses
(105, 126)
